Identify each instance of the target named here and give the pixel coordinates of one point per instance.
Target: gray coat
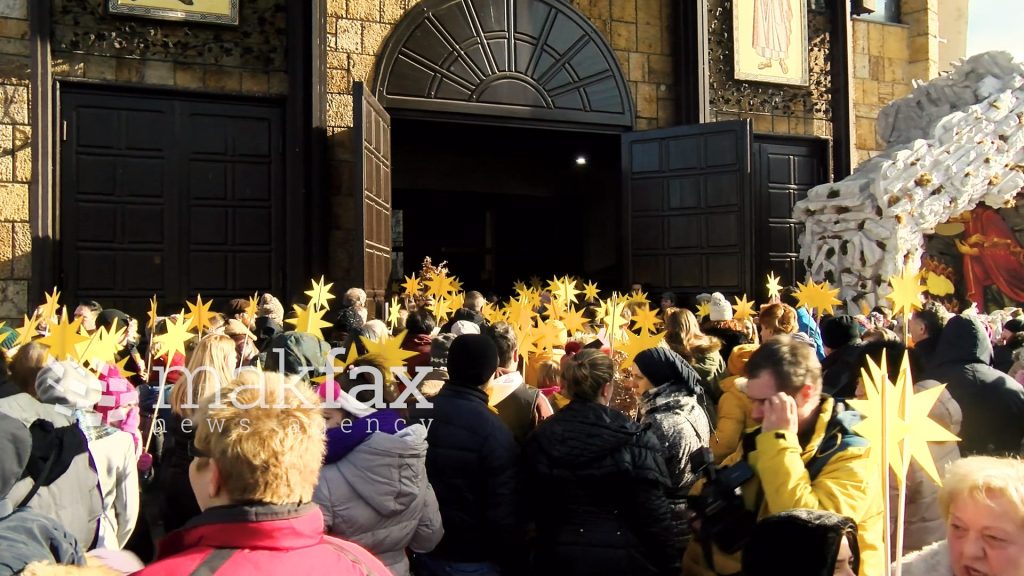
(378, 496)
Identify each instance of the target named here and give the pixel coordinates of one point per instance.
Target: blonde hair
(46, 569)
(586, 373)
(980, 478)
(208, 369)
(778, 318)
(267, 438)
(25, 366)
(548, 371)
(684, 336)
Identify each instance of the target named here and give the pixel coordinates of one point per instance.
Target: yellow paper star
(63, 338)
(394, 313)
(338, 366)
(610, 316)
(492, 314)
(173, 342)
(549, 335)
(743, 308)
(320, 294)
(555, 286)
(875, 377)
(458, 300)
(921, 429)
(455, 283)
(569, 291)
(526, 341)
(590, 291)
(535, 283)
(638, 297)
(519, 287)
(703, 310)
(774, 288)
(309, 321)
(574, 320)
(152, 314)
(51, 305)
(906, 292)
(555, 309)
(939, 285)
(102, 347)
(439, 286)
(520, 314)
(199, 314)
(411, 286)
(27, 331)
(637, 343)
(122, 367)
(252, 308)
(389, 349)
(442, 309)
(645, 319)
(820, 297)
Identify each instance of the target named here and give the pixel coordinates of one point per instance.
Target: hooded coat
(615, 518)
(819, 533)
(674, 412)
(734, 405)
(378, 496)
(519, 406)
(992, 403)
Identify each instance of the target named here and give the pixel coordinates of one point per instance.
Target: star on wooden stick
(309, 321)
(703, 310)
(819, 297)
(574, 320)
(320, 294)
(152, 313)
(743, 308)
(439, 286)
(176, 338)
(906, 292)
(389, 349)
(199, 314)
(774, 288)
(645, 319)
(27, 331)
(103, 346)
(519, 287)
(63, 338)
(252, 308)
(874, 378)
(442, 309)
(637, 343)
(51, 305)
(590, 291)
(122, 367)
(394, 313)
(921, 429)
(411, 286)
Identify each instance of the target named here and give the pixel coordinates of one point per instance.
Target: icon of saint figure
(772, 28)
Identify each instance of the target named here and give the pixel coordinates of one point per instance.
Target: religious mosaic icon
(770, 41)
(205, 11)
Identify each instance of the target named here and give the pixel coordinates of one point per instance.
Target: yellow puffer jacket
(846, 485)
(734, 406)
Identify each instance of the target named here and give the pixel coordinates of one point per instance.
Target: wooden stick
(901, 492)
(886, 506)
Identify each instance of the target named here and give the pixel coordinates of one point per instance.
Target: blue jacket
(27, 536)
(807, 325)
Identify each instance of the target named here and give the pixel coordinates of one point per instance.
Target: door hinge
(63, 130)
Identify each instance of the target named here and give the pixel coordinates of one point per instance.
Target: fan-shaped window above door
(526, 59)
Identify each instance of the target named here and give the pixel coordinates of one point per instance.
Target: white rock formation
(953, 142)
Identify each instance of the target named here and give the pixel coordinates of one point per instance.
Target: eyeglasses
(194, 452)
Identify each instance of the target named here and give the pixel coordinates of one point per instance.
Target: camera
(725, 521)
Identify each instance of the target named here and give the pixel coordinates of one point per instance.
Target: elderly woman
(982, 501)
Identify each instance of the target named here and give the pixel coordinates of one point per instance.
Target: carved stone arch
(454, 56)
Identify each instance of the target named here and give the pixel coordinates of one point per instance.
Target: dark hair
(91, 305)
(420, 322)
(893, 352)
(788, 296)
(791, 362)
(236, 306)
(930, 317)
(1015, 341)
(883, 310)
(353, 380)
(504, 338)
(586, 372)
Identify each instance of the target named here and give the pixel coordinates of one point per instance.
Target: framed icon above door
(204, 11)
(770, 41)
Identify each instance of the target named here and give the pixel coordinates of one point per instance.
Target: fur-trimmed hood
(930, 561)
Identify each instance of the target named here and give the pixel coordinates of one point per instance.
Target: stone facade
(15, 159)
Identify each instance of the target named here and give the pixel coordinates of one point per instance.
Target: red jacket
(269, 540)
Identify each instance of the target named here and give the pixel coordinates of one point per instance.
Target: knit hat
(271, 307)
(15, 448)
(820, 534)
(472, 360)
(662, 367)
(348, 320)
(333, 396)
(439, 347)
(465, 327)
(1014, 325)
(839, 331)
(68, 385)
(106, 318)
(719, 308)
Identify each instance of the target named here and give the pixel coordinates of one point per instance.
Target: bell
(861, 7)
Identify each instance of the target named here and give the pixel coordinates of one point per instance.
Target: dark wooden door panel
(373, 178)
(688, 207)
(168, 196)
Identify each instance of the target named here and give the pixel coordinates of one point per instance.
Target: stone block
(6, 250)
(6, 139)
(659, 69)
(860, 36)
(7, 167)
(870, 92)
(13, 298)
(339, 110)
(223, 79)
(22, 267)
(646, 100)
(339, 82)
(861, 65)
(23, 167)
(368, 10)
(14, 9)
(624, 36)
(909, 6)
(895, 70)
(637, 70)
(12, 28)
(14, 202)
(875, 67)
(623, 10)
(924, 70)
(648, 12)
(128, 70)
(646, 124)
(762, 123)
(255, 82)
(68, 66)
(336, 8)
(337, 60)
(158, 72)
(361, 66)
(886, 93)
(666, 112)
(598, 9)
(188, 76)
(350, 36)
(901, 89)
(920, 47)
(866, 134)
(14, 104)
(393, 10)
(648, 38)
(373, 37)
(798, 126)
(101, 68)
(896, 42)
(867, 110)
(278, 83)
(14, 47)
(876, 38)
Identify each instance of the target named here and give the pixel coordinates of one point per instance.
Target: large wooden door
(373, 175)
(785, 168)
(688, 209)
(168, 196)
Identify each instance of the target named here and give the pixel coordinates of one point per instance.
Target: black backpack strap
(839, 436)
(214, 561)
(340, 547)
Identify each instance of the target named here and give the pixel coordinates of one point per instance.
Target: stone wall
(15, 160)
(639, 32)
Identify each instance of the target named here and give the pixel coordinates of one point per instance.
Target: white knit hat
(720, 308)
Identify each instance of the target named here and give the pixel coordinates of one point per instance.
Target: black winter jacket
(839, 370)
(597, 483)
(473, 464)
(991, 401)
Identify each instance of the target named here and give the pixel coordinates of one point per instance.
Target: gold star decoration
(320, 294)
(874, 378)
(743, 308)
(569, 291)
(703, 310)
(152, 313)
(173, 342)
(394, 313)
(921, 429)
(549, 335)
(309, 321)
(27, 331)
(637, 343)
(590, 291)
(638, 297)
(520, 314)
(645, 319)
(338, 366)
(458, 300)
(411, 286)
(906, 292)
(574, 320)
(252, 308)
(389, 349)
(938, 284)
(439, 286)
(63, 338)
(774, 288)
(102, 347)
(555, 286)
(519, 287)
(199, 314)
(492, 314)
(819, 297)
(51, 305)
(535, 283)
(555, 309)
(455, 283)
(610, 316)
(122, 367)
(442, 309)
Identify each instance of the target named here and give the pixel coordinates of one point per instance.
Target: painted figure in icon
(773, 24)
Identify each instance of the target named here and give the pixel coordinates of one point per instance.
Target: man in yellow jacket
(803, 455)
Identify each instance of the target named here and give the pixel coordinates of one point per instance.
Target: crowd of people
(727, 448)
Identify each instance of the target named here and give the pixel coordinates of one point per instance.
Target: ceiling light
(581, 160)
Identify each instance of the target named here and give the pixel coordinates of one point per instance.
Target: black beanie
(818, 533)
(472, 360)
(1014, 325)
(839, 331)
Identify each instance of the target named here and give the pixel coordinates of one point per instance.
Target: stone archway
(533, 60)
